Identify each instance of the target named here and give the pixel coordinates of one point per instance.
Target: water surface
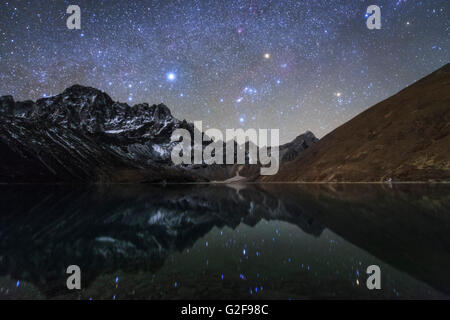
(225, 242)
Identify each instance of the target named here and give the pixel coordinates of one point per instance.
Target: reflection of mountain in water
(407, 226)
(45, 229)
(134, 228)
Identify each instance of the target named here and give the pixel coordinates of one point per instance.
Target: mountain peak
(77, 88)
(161, 111)
(403, 138)
(87, 93)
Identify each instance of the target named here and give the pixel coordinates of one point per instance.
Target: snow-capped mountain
(83, 135)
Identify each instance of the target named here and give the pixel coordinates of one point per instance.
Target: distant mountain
(403, 138)
(287, 152)
(82, 135)
(292, 150)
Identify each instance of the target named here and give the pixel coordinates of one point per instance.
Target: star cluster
(292, 65)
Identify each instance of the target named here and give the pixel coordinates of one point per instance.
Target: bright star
(267, 56)
(171, 76)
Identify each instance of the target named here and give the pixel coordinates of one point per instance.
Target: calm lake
(290, 241)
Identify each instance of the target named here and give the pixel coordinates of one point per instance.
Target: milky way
(292, 65)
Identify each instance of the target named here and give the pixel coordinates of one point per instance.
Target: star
(207, 61)
(171, 76)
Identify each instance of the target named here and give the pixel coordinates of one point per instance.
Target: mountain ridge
(118, 142)
(404, 138)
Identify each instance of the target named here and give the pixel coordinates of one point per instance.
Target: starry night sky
(292, 65)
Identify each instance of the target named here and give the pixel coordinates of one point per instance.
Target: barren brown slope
(404, 138)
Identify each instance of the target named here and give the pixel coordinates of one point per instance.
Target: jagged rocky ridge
(83, 135)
